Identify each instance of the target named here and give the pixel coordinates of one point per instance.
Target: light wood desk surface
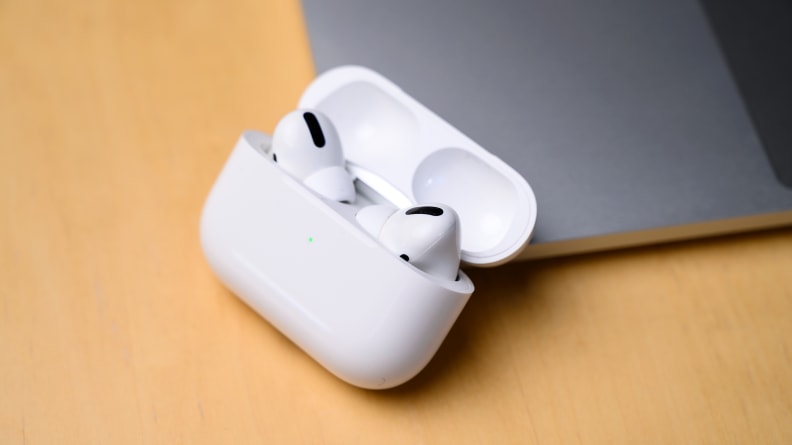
(115, 118)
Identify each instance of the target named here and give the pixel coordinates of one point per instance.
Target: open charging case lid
(419, 158)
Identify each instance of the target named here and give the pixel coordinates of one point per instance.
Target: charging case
(306, 265)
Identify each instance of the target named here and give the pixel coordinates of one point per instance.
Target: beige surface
(115, 118)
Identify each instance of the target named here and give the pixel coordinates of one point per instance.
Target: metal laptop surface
(623, 115)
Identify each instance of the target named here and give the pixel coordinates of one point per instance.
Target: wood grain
(115, 118)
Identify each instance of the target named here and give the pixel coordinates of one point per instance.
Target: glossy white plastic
(312, 270)
(388, 132)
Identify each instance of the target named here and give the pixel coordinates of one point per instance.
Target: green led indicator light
(310, 239)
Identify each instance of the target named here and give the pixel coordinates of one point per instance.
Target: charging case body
(307, 266)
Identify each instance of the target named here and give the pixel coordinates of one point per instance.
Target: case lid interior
(388, 133)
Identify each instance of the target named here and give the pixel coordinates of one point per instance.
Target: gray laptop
(635, 121)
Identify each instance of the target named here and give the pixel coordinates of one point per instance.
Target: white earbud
(306, 144)
(426, 236)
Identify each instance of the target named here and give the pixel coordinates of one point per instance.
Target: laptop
(635, 121)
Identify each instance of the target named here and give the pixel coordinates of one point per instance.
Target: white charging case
(308, 267)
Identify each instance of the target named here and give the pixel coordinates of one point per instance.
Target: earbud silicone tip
(372, 218)
(333, 183)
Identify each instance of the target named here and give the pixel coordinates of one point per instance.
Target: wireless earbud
(426, 236)
(306, 144)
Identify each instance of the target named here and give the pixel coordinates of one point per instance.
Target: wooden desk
(115, 118)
